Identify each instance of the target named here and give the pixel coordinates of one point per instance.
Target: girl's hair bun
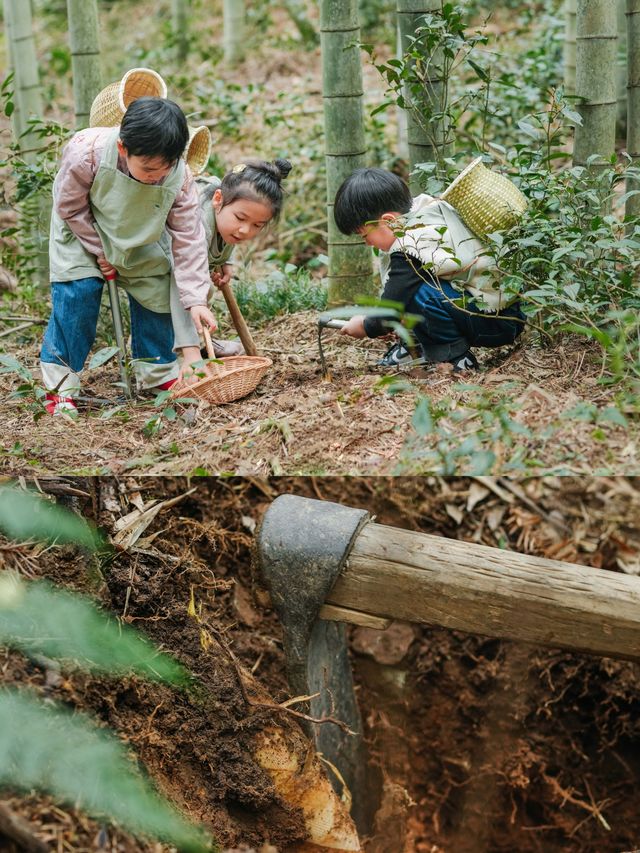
(283, 166)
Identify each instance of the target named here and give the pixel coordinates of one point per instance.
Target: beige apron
(130, 219)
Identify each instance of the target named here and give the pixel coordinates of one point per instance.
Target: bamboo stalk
(16, 116)
(85, 56)
(633, 100)
(596, 48)
(28, 91)
(621, 70)
(180, 10)
(233, 34)
(350, 264)
(569, 49)
(401, 115)
(35, 210)
(427, 140)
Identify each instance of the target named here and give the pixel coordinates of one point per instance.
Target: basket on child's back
(485, 201)
(230, 378)
(110, 105)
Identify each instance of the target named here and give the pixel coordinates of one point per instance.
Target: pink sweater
(80, 160)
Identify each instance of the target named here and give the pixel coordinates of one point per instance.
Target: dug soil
(483, 746)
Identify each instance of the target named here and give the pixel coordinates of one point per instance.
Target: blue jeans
(446, 331)
(71, 330)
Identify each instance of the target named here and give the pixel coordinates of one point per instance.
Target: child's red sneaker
(57, 405)
(166, 386)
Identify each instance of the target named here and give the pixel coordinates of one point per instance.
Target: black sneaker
(396, 355)
(466, 361)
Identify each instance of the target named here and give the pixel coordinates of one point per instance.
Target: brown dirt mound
(484, 746)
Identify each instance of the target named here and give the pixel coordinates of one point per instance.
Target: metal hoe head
(325, 321)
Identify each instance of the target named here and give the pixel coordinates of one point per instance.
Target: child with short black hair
(234, 210)
(437, 268)
(124, 202)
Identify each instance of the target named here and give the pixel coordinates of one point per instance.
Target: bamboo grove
(601, 71)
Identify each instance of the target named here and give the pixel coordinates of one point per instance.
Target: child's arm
(80, 159)
(189, 249)
(400, 285)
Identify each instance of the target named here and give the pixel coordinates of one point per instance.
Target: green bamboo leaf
(37, 618)
(482, 74)
(102, 357)
(49, 749)
(25, 516)
(422, 420)
(11, 363)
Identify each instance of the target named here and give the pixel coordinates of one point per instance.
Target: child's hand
(105, 267)
(200, 315)
(221, 276)
(355, 327)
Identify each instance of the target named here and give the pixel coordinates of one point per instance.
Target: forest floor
(483, 746)
(535, 408)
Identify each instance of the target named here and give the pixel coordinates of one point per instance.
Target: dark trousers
(446, 331)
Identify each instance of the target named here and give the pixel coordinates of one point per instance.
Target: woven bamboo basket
(485, 200)
(198, 149)
(111, 103)
(233, 378)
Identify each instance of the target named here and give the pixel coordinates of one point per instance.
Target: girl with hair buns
(234, 210)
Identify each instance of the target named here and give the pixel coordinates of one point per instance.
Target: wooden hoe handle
(238, 321)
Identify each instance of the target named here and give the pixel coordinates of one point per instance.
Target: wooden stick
(401, 574)
(239, 321)
(17, 328)
(15, 317)
(12, 826)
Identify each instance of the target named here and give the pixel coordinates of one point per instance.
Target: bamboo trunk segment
(350, 265)
(85, 56)
(233, 31)
(35, 210)
(28, 92)
(633, 100)
(596, 54)
(180, 19)
(621, 70)
(569, 48)
(426, 144)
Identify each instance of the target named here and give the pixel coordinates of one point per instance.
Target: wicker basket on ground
(230, 379)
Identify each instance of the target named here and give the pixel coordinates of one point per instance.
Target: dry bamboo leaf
(454, 512)
(477, 493)
(130, 527)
